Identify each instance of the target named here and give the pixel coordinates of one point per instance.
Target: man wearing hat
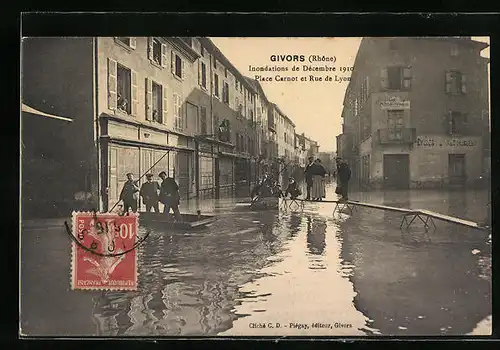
(149, 193)
(309, 177)
(343, 177)
(169, 195)
(129, 194)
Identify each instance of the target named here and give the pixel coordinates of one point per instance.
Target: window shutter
(133, 42)
(464, 84)
(165, 104)
(199, 72)
(112, 84)
(407, 78)
(448, 123)
(384, 80)
(133, 75)
(149, 99)
(183, 70)
(464, 124)
(448, 79)
(172, 62)
(150, 48)
(163, 55)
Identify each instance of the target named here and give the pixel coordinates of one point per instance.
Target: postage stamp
(103, 253)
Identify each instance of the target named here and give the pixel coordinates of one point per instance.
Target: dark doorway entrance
(396, 171)
(456, 169)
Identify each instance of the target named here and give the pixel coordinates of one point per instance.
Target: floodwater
(295, 272)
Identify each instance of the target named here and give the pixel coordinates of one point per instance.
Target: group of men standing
(152, 194)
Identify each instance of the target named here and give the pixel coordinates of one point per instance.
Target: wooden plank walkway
(451, 219)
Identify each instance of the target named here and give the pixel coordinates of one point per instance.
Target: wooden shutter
(149, 99)
(199, 72)
(172, 62)
(133, 78)
(384, 79)
(165, 103)
(133, 42)
(407, 78)
(183, 69)
(150, 48)
(112, 84)
(448, 123)
(163, 55)
(448, 79)
(464, 84)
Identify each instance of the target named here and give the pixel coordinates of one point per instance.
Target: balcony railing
(397, 136)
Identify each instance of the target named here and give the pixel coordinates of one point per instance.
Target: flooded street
(278, 273)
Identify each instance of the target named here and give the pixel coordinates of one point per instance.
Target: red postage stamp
(103, 254)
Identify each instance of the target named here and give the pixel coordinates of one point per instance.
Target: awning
(28, 109)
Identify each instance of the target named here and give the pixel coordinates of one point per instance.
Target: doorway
(396, 171)
(456, 169)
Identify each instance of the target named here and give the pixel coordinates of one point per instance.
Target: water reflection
(316, 235)
(303, 286)
(305, 268)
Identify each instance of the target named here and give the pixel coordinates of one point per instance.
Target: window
(128, 41)
(203, 121)
(395, 78)
(203, 75)
(250, 114)
(178, 66)
(178, 112)
(156, 51)
(395, 124)
(457, 123)
(124, 89)
(125, 40)
(455, 83)
(225, 72)
(157, 103)
(215, 63)
(216, 85)
(202, 51)
(225, 93)
(241, 87)
(236, 84)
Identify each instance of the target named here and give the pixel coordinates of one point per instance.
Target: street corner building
(416, 113)
(97, 108)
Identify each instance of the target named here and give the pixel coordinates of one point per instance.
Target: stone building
(139, 104)
(416, 113)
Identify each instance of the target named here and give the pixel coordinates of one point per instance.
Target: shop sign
(394, 102)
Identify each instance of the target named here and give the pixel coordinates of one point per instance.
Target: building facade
(414, 113)
(141, 104)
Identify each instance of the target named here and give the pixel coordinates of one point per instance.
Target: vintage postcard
(244, 186)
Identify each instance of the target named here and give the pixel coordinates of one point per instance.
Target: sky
(314, 107)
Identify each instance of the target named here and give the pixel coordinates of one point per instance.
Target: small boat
(189, 221)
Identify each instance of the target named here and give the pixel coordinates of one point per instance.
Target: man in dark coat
(169, 195)
(309, 177)
(149, 193)
(129, 194)
(343, 177)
